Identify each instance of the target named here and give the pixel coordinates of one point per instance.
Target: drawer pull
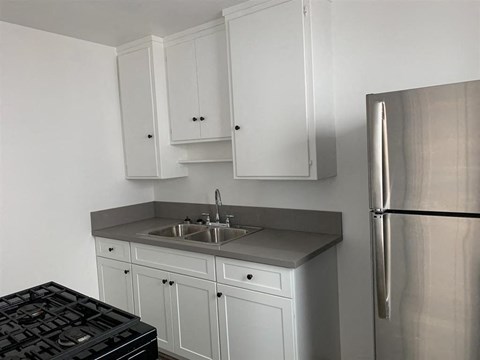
(111, 249)
(219, 294)
(249, 276)
(171, 283)
(164, 281)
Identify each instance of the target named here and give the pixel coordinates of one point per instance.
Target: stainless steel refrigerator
(424, 160)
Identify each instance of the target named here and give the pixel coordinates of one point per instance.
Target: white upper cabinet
(281, 90)
(143, 95)
(198, 84)
(183, 91)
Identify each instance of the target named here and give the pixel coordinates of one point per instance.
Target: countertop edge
(216, 251)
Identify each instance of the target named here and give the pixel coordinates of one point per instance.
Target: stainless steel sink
(178, 230)
(217, 235)
(203, 233)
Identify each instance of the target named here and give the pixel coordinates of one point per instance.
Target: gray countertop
(284, 248)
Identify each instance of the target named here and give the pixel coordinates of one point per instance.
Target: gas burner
(75, 335)
(50, 321)
(29, 313)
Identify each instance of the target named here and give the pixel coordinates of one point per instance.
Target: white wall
(60, 156)
(377, 47)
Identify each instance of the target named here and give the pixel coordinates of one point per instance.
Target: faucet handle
(207, 217)
(227, 220)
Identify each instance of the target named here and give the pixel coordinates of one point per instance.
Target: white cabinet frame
(198, 84)
(266, 142)
(144, 103)
(115, 283)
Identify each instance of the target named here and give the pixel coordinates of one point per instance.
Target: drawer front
(259, 277)
(113, 249)
(178, 261)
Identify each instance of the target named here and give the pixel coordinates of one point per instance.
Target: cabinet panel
(212, 74)
(152, 302)
(195, 319)
(138, 114)
(265, 278)
(113, 249)
(115, 283)
(269, 95)
(184, 262)
(183, 91)
(255, 326)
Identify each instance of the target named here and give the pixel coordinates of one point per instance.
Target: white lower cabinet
(214, 308)
(195, 320)
(254, 325)
(152, 302)
(182, 308)
(115, 283)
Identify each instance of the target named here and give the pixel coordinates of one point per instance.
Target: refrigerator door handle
(381, 263)
(377, 156)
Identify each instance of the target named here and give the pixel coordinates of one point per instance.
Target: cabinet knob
(126, 271)
(219, 294)
(171, 283)
(150, 136)
(110, 249)
(194, 119)
(164, 281)
(237, 127)
(202, 118)
(249, 276)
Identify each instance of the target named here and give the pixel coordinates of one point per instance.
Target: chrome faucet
(216, 222)
(218, 203)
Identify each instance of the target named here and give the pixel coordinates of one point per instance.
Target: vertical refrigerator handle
(376, 125)
(380, 235)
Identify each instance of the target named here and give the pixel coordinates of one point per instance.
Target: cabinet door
(212, 74)
(183, 91)
(115, 283)
(152, 302)
(138, 113)
(195, 320)
(255, 326)
(268, 82)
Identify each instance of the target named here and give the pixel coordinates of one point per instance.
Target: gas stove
(51, 321)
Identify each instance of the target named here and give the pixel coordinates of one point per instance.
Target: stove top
(50, 321)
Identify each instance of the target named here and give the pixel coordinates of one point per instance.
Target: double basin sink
(204, 233)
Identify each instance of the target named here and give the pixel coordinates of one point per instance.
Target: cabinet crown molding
(139, 43)
(249, 6)
(195, 32)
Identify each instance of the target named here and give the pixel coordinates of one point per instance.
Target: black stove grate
(44, 322)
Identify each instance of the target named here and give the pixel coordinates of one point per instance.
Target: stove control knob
(164, 281)
(110, 249)
(171, 283)
(126, 271)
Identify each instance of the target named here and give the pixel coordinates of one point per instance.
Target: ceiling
(112, 22)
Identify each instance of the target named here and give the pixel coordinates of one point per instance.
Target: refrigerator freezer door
(434, 289)
(424, 149)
